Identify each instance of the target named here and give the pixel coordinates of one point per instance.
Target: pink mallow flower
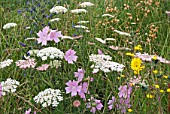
(111, 103)
(0, 90)
(43, 67)
(79, 74)
(29, 111)
(70, 56)
(73, 87)
(94, 104)
(53, 35)
(43, 35)
(84, 88)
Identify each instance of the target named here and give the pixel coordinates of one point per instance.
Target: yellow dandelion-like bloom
(136, 65)
(154, 57)
(165, 76)
(130, 110)
(122, 76)
(157, 86)
(168, 90)
(155, 71)
(130, 54)
(161, 91)
(149, 96)
(138, 47)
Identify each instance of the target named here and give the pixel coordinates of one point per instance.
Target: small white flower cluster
(77, 11)
(6, 63)
(103, 63)
(49, 97)
(9, 25)
(55, 63)
(9, 86)
(107, 15)
(55, 19)
(51, 52)
(122, 33)
(81, 26)
(86, 4)
(58, 9)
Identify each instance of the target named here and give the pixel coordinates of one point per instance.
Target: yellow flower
(138, 47)
(122, 76)
(149, 96)
(136, 65)
(154, 57)
(157, 86)
(155, 71)
(130, 110)
(165, 76)
(130, 54)
(118, 78)
(161, 91)
(168, 90)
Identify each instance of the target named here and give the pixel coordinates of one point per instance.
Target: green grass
(104, 85)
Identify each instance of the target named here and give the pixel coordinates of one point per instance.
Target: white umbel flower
(86, 4)
(103, 63)
(6, 63)
(58, 9)
(55, 63)
(55, 19)
(83, 22)
(51, 52)
(107, 15)
(122, 33)
(49, 97)
(9, 25)
(81, 26)
(77, 11)
(9, 86)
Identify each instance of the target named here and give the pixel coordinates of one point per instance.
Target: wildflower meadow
(84, 56)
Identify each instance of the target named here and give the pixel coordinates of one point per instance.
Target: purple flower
(43, 35)
(84, 88)
(100, 52)
(0, 90)
(111, 102)
(28, 111)
(94, 104)
(79, 74)
(73, 87)
(123, 105)
(125, 91)
(70, 56)
(53, 35)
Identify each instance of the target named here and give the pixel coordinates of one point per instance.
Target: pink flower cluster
(48, 34)
(29, 63)
(77, 87)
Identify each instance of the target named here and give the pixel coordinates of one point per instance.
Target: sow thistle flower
(136, 65)
(138, 47)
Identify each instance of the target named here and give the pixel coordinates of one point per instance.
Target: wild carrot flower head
(6, 63)
(70, 56)
(43, 67)
(29, 63)
(76, 103)
(136, 65)
(73, 87)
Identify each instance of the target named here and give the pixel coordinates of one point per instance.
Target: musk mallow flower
(29, 63)
(9, 25)
(79, 74)
(43, 35)
(73, 87)
(0, 90)
(77, 11)
(84, 90)
(6, 63)
(58, 9)
(50, 52)
(29, 111)
(111, 103)
(9, 86)
(49, 97)
(53, 35)
(86, 4)
(94, 105)
(125, 91)
(70, 56)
